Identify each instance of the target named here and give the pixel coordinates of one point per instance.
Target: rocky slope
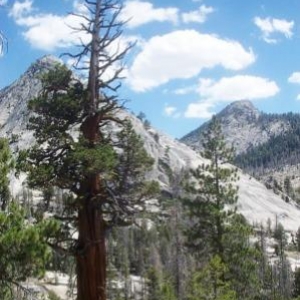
(243, 126)
(13, 100)
(256, 202)
(267, 145)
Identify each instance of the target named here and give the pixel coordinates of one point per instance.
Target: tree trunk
(91, 255)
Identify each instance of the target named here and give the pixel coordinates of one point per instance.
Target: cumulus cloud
(3, 2)
(48, 31)
(294, 78)
(20, 9)
(237, 87)
(270, 26)
(80, 7)
(170, 110)
(201, 110)
(185, 90)
(142, 12)
(197, 16)
(229, 89)
(184, 54)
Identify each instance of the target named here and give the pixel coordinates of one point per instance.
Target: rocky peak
(242, 109)
(241, 126)
(14, 98)
(40, 65)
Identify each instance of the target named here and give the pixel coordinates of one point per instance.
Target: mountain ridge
(243, 127)
(267, 145)
(256, 202)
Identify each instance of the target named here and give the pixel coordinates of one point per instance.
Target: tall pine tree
(23, 244)
(86, 165)
(213, 196)
(216, 232)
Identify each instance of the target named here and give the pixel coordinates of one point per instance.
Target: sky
(191, 57)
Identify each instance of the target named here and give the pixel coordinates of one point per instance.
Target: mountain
(256, 202)
(13, 100)
(267, 145)
(243, 126)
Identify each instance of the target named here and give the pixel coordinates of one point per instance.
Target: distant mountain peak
(240, 109)
(48, 59)
(241, 103)
(242, 127)
(46, 62)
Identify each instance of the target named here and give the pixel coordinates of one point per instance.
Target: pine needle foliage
(213, 195)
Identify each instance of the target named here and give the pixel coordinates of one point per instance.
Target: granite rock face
(14, 98)
(243, 127)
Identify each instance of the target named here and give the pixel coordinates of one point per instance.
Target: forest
(278, 151)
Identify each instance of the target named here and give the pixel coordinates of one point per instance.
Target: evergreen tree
(153, 284)
(296, 287)
(23, 245)
(117, 163)
(211, 190)
(242, 259)
(168, 290)
(288, 186)
(281, 239)
(6, 166)
(298, 239)
(87, 164)
(209, 284)
(24, 251)
(216, 233)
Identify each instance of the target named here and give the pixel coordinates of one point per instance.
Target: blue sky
(191, 59)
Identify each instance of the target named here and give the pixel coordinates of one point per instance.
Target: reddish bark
(91, 257)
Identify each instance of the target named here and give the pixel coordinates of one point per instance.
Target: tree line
(280, 150)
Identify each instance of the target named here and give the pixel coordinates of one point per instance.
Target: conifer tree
(216, 233)
(23, 245)
(23, 249)
(209, 284)
(243, 260)
(6, 165)
(212, 189)
(87, 165)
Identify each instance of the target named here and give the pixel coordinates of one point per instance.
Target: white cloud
(172, 111)
(298, 97)
(80, 7)
(19, 9)
(270, 26)
(169, 110)
(229, 89)
(294, 78)
(201, 110)
(141, 12)
(183, 54)
(237, 87)
(197, 16)
(185, 90)
(3, 2)
(48, 31)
